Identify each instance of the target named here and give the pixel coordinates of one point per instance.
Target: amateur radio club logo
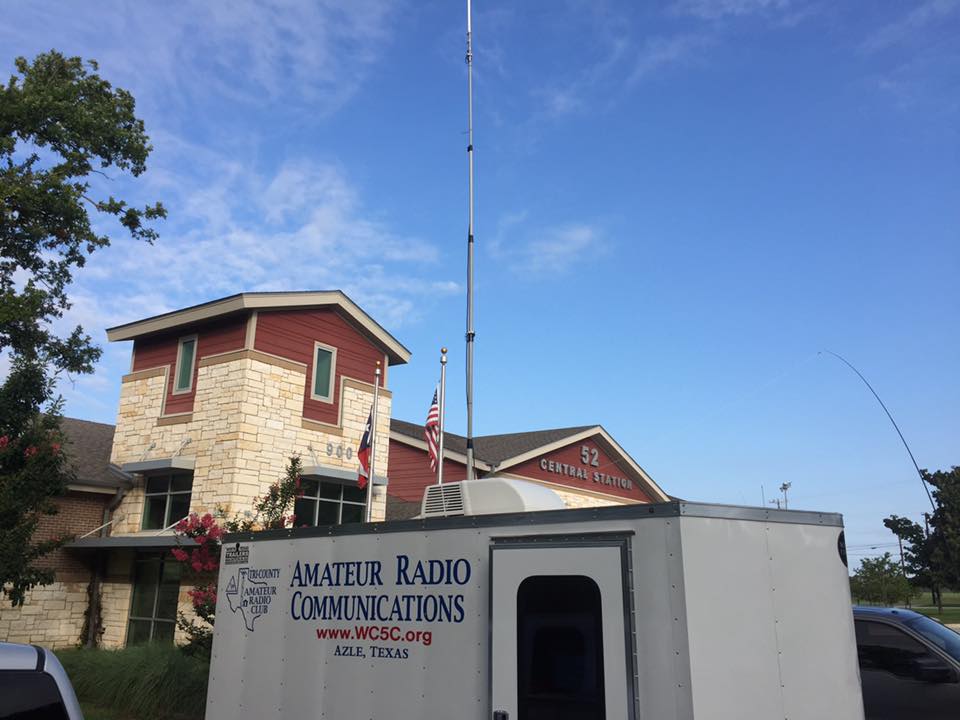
(250, 593)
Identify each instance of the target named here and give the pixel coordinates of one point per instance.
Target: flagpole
(443, 397)
(373, 443)
(470, 332)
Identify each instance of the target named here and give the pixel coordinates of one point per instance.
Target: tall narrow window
(153, 607)
(167, 500)
(185, 357)
(324, 370)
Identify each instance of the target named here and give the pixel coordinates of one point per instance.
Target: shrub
(146, 681)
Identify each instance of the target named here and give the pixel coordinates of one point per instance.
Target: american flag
(363, 455)
(432, 431)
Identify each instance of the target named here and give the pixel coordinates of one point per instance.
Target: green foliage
(916, 551)
(32, 472)
(273, 510)
(880, 581)
(60, 124)
(145, 681)
(933, 560)
(945, 526)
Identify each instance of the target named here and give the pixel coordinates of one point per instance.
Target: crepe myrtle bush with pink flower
(199, 538)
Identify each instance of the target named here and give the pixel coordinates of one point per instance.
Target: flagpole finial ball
(443, 350)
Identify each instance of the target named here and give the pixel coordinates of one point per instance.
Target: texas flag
(363, 455)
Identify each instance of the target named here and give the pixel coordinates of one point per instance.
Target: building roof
(493, 449)
(88, 448)
(501, 452)
(240, 302)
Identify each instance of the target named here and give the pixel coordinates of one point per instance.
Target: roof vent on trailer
(486, 497)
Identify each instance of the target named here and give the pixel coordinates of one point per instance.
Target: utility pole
(903, 568)
(934, 587)
(783, 489)
(776, 502)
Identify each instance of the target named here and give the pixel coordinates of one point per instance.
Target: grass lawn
(923, 603)
(949, 616)
(95, 712)
(923, 599)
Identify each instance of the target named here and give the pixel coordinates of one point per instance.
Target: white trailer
(643, 612)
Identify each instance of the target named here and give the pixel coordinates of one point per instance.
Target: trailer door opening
(559, 649)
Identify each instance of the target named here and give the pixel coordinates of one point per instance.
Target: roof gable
(500, 453)
(88, 448)
(396, 352)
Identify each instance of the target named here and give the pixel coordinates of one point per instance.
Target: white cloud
(557, 249)
(660, 52)
(716, 9)
(317, 50)
(532, 250)
(230, 230)
(902, 29)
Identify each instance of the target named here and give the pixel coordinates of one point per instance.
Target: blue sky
(678, 205)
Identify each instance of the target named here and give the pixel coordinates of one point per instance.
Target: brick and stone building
(218, 398)
(55, 615)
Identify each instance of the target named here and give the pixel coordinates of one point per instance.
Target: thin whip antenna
(894, 422)
(470, 332)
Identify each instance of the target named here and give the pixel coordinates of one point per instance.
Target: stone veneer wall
(52, 616)
(115, 596)
(578, 500)
(247, 421)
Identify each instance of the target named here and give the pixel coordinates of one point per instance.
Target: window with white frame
(167, 499)
(324, 372)
(186, 355)
(329, 503)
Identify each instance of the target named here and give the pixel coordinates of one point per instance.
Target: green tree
(933, 558)
(945, 527)
(879, 580)
(916, 553)
(62, 127)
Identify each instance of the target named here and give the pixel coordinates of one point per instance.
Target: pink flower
(179, 554)
(201, 539)
(215, 533)
(197, 566)
(55, 448)
(207, 520)
(4, 441)
(30, 451)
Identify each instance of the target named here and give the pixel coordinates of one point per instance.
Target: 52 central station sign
(585, 470)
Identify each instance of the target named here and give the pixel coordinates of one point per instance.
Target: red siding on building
(409, 472)
(224, 335)
(291, 334)
(567, 463)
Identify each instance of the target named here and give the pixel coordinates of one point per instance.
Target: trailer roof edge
(553, 517)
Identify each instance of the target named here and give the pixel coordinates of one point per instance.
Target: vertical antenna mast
(470, 332)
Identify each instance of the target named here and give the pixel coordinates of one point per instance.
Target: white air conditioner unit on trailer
(487, 496)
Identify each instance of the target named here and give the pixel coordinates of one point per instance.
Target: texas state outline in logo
(250, 594)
